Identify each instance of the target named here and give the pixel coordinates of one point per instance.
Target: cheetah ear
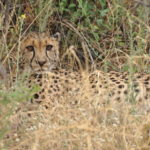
(57, 36)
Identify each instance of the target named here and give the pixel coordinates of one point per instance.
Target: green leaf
(72, 5)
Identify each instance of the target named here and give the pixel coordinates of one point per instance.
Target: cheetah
(40, 55)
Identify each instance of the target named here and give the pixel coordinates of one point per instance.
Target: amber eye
(49, 47)
(30, 48)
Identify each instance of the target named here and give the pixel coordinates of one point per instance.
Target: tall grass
(108, 35)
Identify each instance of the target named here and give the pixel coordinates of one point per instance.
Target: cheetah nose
(41, 63)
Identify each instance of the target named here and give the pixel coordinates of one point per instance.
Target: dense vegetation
(108, 35)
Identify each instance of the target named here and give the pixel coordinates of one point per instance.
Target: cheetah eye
(30, 48)
(49, 47)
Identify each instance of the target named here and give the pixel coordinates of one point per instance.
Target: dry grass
(87, 124)
(120, 42)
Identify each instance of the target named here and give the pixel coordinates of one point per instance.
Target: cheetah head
(40, 51)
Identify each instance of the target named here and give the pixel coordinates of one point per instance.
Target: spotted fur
(40, 53)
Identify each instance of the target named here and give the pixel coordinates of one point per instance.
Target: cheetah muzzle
(40, 52)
